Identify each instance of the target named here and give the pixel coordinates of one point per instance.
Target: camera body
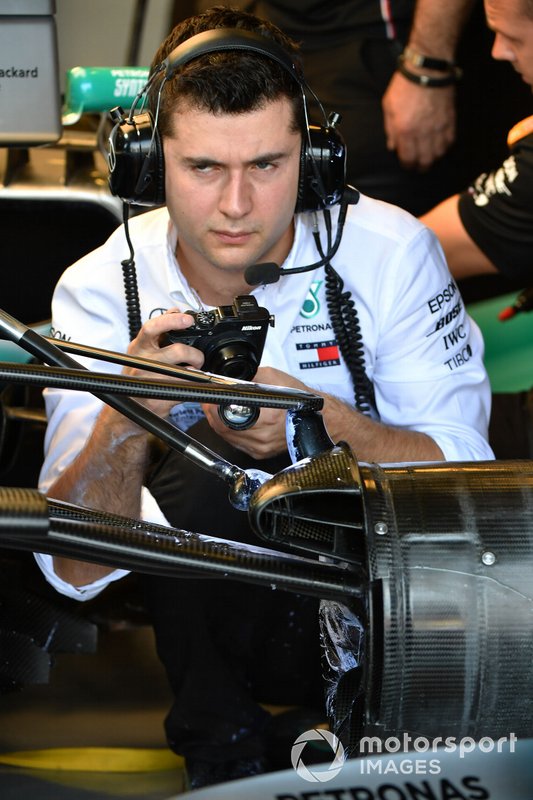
(231, 338)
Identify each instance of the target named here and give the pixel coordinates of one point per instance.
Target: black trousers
(511, 425)
(226, 645)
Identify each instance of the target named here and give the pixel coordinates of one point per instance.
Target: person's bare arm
(420, 121)
(106, 475)
(108, 472)
(437, 27)
(374, 441)
(464, 257)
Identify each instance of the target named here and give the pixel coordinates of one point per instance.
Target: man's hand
(267, 437)
(147, 344)
(419, 122)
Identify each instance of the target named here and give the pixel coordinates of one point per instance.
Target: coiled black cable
(131, 289)
(345, 321)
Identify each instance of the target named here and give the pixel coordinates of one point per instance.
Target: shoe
(208, 773)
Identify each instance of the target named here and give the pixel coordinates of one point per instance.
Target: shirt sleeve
(429, 374)
(83, 310)
(45, 563)
(497, 212)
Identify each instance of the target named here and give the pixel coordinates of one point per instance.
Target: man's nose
(236, 195)
(501, 51)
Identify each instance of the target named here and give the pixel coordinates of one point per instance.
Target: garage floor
(95, 729)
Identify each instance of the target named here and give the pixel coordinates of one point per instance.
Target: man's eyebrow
(212, 162)
(277, 156)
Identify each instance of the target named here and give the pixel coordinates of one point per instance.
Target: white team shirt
(423, 353)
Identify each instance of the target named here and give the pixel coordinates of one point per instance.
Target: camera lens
(238, 417)
(234, 360)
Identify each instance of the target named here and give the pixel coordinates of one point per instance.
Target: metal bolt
(488, 558)
(381, 528)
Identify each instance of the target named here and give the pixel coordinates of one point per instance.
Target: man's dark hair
(230, 81)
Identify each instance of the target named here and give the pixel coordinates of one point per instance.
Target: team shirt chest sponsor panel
(313, 344)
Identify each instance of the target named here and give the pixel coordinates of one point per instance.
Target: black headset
(135, 157)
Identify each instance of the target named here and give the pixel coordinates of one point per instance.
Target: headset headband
(222, 39)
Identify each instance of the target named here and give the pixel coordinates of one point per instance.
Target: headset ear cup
(322, 169)
(138, 173)
(150, 186)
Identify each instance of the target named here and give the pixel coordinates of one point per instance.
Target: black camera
(231, 338)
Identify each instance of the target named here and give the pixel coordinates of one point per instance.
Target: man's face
(514, 34)
(231, 187)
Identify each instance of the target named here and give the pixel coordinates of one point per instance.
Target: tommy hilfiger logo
(322, 354)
